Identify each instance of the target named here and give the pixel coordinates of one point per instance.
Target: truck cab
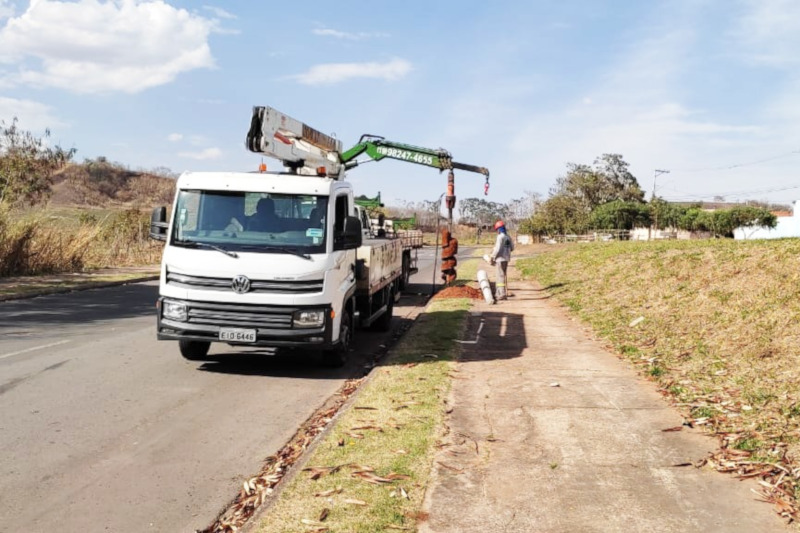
(259, 260)
(366, 225)
(274, 258)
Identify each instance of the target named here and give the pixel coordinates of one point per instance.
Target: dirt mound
(463, 291)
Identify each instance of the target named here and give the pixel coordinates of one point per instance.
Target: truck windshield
(252, 222)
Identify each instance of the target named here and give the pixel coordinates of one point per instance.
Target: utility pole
(656, 173)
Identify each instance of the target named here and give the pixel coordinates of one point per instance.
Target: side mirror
(159, 224)
(350, 238)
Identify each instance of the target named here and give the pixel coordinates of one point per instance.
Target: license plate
(237, 335)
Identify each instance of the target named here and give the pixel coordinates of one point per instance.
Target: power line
(739, 165)
(739, 192)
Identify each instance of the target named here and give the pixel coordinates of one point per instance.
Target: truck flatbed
(380, 261)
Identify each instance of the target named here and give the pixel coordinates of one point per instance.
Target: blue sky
(707, 89)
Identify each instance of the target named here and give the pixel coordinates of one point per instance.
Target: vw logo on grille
(240, 284)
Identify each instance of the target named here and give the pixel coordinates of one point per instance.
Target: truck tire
(194, 350)
(337, 356)
(405, 275)
(384, 322)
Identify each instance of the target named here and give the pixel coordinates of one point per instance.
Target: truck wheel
(337, 356)
(384, 322)
(406, 273)
(194, 350)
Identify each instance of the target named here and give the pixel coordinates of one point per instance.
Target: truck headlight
(309, 319)
(173, 311)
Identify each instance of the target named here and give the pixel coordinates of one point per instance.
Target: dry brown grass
(34, 243)
(715, 324)
(103, 184)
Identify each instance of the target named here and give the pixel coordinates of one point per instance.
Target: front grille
(223, 315)
(261, 286)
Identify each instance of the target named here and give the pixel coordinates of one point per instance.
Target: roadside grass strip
(716, 324)
(467, 272)
(30, 285)
(370, 472)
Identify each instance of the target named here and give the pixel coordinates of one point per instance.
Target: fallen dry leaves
(720, 337)
(258, 488)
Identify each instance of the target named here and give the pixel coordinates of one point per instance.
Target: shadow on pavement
(369, 348)
(502, 336)
(284, 363)
(82, 307)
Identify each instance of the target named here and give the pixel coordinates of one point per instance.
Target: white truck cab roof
(266, 182)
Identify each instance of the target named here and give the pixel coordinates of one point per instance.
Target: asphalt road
(103, 428)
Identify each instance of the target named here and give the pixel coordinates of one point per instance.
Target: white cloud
(92, 46)
(219, 12)
(174, 137)
(32, 115)
(328, 32)
(330, 73)
(6, 9)
(202, 155)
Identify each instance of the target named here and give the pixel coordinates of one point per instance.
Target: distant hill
(101, 183)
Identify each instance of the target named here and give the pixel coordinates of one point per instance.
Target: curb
(79, 287)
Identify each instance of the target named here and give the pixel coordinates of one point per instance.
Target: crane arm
(378, 148)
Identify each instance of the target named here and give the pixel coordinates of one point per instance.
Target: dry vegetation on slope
(715, 324)
(98, 216)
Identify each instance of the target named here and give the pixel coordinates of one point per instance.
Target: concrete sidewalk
(552, 433)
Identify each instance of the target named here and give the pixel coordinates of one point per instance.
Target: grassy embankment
(96, 217)
(715, 324)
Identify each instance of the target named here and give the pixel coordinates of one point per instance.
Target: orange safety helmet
(499, 224)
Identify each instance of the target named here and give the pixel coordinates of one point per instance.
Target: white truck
(273, 259)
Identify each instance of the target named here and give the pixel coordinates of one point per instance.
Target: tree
(479, 211)
(615, 171)
(753, 218)
(520, 209)
(427, 212)
(582, 190)
(723, 222)
(664, 214)
(693, 219)
(560, 215)
(27, 164)
(607, 181)
(584, 186)
(620, 215)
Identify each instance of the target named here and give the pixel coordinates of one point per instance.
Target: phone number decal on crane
(405, 155)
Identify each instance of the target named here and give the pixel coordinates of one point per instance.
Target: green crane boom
(306, 151)
(378, 148)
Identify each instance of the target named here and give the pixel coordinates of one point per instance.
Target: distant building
(647, 234)
(788, 226)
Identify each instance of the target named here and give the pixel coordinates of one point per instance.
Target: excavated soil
(463, 291)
